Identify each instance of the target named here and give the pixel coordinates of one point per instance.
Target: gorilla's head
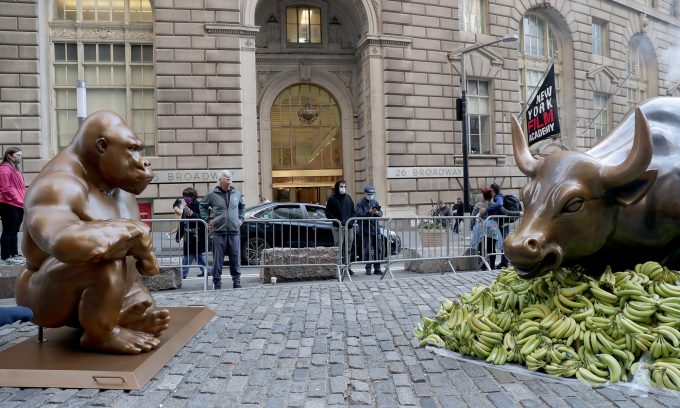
(116, 151)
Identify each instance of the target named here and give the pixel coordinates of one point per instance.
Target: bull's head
(572, 201)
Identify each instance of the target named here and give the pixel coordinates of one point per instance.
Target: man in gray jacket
(228, 214)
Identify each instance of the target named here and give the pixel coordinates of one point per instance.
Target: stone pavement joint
(319, 345)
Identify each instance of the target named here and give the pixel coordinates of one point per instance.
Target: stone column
(249, 112)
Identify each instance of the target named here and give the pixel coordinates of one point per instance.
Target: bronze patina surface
(616, 204)
(85, 246)
(60, 362)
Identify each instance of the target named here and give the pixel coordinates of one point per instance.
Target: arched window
(118, 70)
(303, 24)
(636, 86)
(537, 46)
(306, 158)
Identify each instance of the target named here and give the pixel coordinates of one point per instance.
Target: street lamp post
(463, 95)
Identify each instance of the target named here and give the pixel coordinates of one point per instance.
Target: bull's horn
(526, 163)
(638, 160)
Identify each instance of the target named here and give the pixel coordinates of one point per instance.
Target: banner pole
(535, 91)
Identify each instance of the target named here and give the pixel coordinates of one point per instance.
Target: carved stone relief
(345, 77)
(264, 78)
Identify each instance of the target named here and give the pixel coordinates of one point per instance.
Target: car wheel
(251, 250)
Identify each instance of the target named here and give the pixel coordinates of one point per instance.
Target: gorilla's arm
(59, 224)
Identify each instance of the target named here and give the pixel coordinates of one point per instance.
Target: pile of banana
(569, 324)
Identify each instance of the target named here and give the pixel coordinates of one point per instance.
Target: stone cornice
(650, 11)
(383, 40)
(232, 29)
(298, 58)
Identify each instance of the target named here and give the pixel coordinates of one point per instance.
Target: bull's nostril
(532, 244)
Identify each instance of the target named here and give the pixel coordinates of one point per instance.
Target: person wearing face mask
(12, 192)
(193, 233)
(340, 206)
(371, 238)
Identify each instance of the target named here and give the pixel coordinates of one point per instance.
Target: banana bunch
(568, 324)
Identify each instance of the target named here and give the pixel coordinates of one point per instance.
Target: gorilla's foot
(144, 317)
(122, 341)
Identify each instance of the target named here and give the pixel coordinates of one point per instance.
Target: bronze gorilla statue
(85, 246)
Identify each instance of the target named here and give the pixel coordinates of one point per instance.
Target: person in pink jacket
(12, 192)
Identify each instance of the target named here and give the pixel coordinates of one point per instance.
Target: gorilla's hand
(148, 267)
(142, 250)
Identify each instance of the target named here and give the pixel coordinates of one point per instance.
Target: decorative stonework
(232, 29)
(140, 35)
(644, 23)
(264, 78)
(345, 77)
(269, 33)
(103, 33)
(63, 32)
(338, 34)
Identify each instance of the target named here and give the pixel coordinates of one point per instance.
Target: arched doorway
(306, 158)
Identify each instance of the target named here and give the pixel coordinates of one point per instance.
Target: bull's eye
(573, 205)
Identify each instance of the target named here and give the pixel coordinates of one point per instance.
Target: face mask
(369, 197)
(187, 200)
(342, 190)
(18, 160)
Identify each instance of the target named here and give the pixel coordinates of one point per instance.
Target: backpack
(511, 203)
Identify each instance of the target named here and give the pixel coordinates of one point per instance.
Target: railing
(496, 229)
(167, 246)
(287, 243)
(300, 243)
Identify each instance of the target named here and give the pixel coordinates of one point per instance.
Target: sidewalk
(318, 345)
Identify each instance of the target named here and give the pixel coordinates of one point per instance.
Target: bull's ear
(633, 192)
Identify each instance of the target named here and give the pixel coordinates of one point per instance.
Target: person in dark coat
(340, 206)
(459, 211)
(497, 209)
(193, 233)
(371, 237)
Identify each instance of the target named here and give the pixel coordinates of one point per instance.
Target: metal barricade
(168, 244)
(369, 243)
(270, 242)
(496, 229)
(433, 238)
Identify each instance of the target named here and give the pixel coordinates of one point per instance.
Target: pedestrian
(193, 233)
(498, 209)
(12, 192)
(264, 200)
(340, 206)
(444, 210)
(459, 210)
(177, 208)
(228, 213)
(371, 237)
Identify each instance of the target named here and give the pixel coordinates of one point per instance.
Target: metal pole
(81, 101)
(466, 167)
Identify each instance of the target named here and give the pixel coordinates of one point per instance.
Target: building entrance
(306, 157)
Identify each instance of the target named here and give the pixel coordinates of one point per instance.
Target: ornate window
(115, 60)
(303, 24)
(636, 86)
(599, 41)
(471, 16)
(306, 158)
(537, 46)
(103, 10)
(479, 117)
(601, 125)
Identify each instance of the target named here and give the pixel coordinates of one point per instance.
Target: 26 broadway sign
(423, 172)
(192, 176)
(542, 120)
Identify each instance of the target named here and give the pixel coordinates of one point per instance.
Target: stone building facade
(217, 84)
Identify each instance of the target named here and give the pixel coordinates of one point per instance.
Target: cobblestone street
(321, 345)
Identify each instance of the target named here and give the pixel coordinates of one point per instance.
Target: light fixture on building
(308, 113)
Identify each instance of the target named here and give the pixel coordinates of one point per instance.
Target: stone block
(20, 10)
(173, 68)
(18, 66)
(27, 52)
(224, 82)
(8, 23)
(189, 28)
(229, 122)
(229, 96)
(167, 278)
(190, 55)
(174, 122)
(228, 17)
(205, 122)
(8, 275)
(225, 43)
(28, 24)
(221, 4)
(229, 69)
(190, 135)
(21, 123)
(18, 38)
(9, 109)
(225, 162)
(173, 42)
(180, 16)
(9, 52)
(193, 82)
(224, 135)
(172, 95)
(203, 42)
(190, 108)
(10, 137)
(203, 68)
(283, 256)
(223, 56)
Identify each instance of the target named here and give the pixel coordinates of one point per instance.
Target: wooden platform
(62, 363)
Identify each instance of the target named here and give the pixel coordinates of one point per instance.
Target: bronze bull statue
(617, 204)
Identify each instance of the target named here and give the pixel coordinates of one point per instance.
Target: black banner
(541, 115)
